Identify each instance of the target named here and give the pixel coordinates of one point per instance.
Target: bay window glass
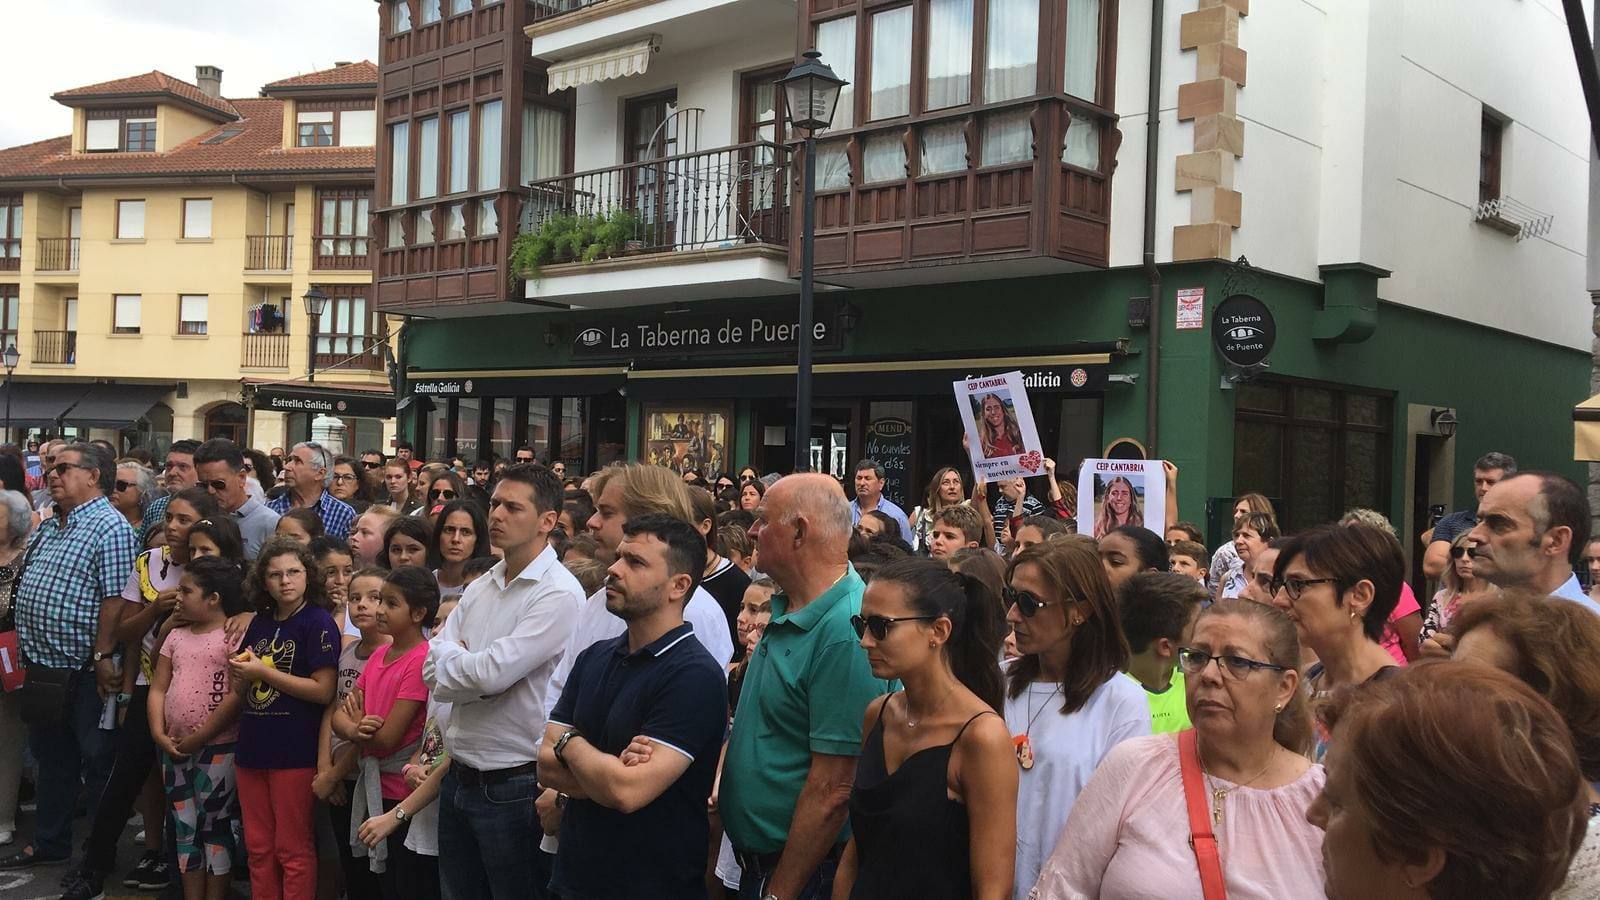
(399, 163)
(455, 222)
(489, 145)
(833, 166)
(399, 16)
(1011, 59)
(1083, 48)
(836, 41)
(424, 230)
(457, 7)
(883, 158)
(396, 232)
(1007, 138)
(460, 135)
(428, 157)
(943, 148)
(1082, 146)
(543, 135)
(430, 11)
(949, 53)
(488, 218)
(891, 64)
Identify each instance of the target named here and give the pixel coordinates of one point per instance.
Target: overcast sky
(61, 44)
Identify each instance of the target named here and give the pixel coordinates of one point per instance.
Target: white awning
(618, 62)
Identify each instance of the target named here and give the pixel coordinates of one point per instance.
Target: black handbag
(46, 693)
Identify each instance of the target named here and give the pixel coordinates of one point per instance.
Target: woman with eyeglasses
(350, 481)
(1458, 586)
(1067, 703)
(1339, 584)
(933, 809)
(1131, 827)
(461, 533)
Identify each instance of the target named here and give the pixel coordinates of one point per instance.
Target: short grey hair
(144, 479)
(19, 516)
(94, 456)
(321, 458)
(1496, 460)
(1370, 518)
(826, 510)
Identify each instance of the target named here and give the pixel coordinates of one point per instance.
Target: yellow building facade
(168, 270)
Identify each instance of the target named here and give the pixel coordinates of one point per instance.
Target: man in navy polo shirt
(639, 830)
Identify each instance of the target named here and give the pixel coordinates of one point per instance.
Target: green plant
(565, 237)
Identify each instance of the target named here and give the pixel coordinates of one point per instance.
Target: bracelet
(405, 770)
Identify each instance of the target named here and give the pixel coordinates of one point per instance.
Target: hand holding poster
(1122, 492)
(1001, 439)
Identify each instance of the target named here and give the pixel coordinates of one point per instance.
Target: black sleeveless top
(911, 838)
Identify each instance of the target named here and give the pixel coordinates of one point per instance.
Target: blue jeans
(74, 751)
(818, 887)
(489, 840)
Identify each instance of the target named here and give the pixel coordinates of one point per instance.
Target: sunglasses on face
(1459, 552)
(445, 494)
(1026, 602)
(369, 464)
(524, 459)
(124, 485)
(1193, 662)
(216, 486)
(879, 626)
(60, 468)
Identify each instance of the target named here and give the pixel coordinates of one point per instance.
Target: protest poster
(1002, 441)
(1117, 492)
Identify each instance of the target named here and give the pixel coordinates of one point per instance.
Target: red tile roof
(152, 82)
(359, 74)
(256, 148)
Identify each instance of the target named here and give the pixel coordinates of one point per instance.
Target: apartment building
(155, 261)
(1397, 182)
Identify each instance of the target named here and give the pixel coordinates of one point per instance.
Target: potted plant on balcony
(566, 237)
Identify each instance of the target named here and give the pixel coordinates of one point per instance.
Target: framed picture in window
(685, 437)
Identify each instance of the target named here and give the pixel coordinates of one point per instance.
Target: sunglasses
(524, 459)
(445, 494)
(1026, 602)
(60, 468)
(124, 485)
(1459, 552)
(215, 486)
(879, 626)
(369, 464)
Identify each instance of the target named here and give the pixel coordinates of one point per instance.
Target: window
(543, 140)
(488, 218)
(883, 158)
(192, 313)
(10, 305)
(949, 53)
(11, 229)
(455, 222)
(891, 64)
(430, 12)
(457, 7)
(349, 330)
(197, 219)
(944, 148)
(140, 135)
(315, 129)
(399, 162)
(395, 234)
(1011, 61)
(399, 16)
(459, 154)
(358, 127)
(1082, 145)
(130, 220)
(1082, 72)
(424, 230)
(125, 314)
(1490, 156)
(102, 134)
(1007, 138)
(489, 145)
(836, 41)
(833, 165)
(428, 157)
(342, 228)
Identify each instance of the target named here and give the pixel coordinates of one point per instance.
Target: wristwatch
(102, 655)
(400, 814)
(561, 744)
(561, 800)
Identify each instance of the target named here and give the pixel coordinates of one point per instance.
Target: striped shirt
(71, 567)
(337, 516)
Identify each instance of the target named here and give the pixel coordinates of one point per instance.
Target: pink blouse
(1128, 835)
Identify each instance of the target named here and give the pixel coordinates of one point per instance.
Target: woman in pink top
(1128, 835)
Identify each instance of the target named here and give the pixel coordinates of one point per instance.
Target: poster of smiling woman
(1001, 439)
(1125, 492)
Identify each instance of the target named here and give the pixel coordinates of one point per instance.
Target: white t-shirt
(1066, 750)
(164, 575)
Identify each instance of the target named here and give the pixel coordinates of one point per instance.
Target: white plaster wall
(1130, 103)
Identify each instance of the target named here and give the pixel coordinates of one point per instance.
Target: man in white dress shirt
(493, 659)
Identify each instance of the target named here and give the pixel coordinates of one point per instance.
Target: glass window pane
(1083, 48)
(944, 148)
(424, 229)
(358, 127)
(833, 166)
(460, 6)
(428, 157)
(1257, 456)
(1361, 409)
(543, 137)
(330, 218)
(489, 145)
(438, 429)
(101, 134)
(537, 434)
(488, 221)
(949, 53)
(467, 414)
(1082, 146)
(127, 311)
(455, 224)
(130, 219)
(1311, 474)
(883, 158)
(1314, 403)
(459, 137)
(397, 231)
(502, 426)
(1011, 60)
(891, 64)
(1361, 467)
(1260, 396)
(1007, 138)
(836, 41)
(399, 16)
(399, 163)
(430, 11)
(572, 422)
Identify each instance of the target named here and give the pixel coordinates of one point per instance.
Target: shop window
(502, 427)
(572, 428)
(468, 412)
(536, 434)
(439, 430)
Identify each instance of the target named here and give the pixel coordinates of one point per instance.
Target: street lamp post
(316, 303)
(812, 90)
(10, 357)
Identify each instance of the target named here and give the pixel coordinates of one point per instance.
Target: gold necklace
(1218, 795)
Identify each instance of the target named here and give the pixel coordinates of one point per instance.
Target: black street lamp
(316, 304)
(10, 357)
(812, 91)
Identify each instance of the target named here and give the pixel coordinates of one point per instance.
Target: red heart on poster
(1030, 460)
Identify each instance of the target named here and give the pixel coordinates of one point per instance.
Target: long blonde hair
(986, 432)
(1106, 520)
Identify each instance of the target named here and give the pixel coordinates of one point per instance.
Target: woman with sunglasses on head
(461, 533)
(1067, 703)
(1339, 584)
(933, 810)
(1131, 827)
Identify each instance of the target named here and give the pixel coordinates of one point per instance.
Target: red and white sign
(1191, 309)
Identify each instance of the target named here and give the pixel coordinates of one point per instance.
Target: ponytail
(968, 602)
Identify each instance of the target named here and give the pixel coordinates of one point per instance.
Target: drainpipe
(1152, 128)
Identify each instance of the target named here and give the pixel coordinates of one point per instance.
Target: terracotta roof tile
(358, 74)
(149, 83)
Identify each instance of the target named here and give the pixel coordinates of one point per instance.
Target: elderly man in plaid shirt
(308, 469)
(67, 609)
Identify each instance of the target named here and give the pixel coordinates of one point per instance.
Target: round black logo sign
(1243, 330)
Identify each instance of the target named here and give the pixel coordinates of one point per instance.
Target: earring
(932, 644)
(1278, 708)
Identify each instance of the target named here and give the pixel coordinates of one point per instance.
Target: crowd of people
(376, 677)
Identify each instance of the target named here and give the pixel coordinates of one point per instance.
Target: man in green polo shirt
(792, 755)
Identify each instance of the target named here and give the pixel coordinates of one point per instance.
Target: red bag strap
(1201, 838)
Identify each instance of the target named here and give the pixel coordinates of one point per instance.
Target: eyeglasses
(369, 464)
(124, 485)
(1264, 581)
(1026, 602)
(249, 468)
(1193, 662)
(445, 494)
(1294, 587)
(343, 477)
(879, 625)
(1459, 552)
(524, 459)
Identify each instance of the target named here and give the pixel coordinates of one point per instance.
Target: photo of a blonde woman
(999, 433)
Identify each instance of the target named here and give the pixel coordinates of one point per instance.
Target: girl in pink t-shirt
(384, 715)
(193, 720)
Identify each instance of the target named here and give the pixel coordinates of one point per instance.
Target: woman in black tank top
(933, 809)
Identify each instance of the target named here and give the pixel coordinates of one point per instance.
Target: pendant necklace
(1022, 741)
(1218, 795)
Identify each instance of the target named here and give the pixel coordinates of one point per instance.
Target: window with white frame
(192, 310)
(125, 313)
(197, 219)
(314, 129)
(358, 127)
(130, 220)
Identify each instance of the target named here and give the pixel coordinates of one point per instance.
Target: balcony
(350, 352)
(713, 223)
(57, 255)
(565, 30)
(59, 348)
(341, 254)
(10, 255)
(547, 9)
(265, 350)
(269, 252)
